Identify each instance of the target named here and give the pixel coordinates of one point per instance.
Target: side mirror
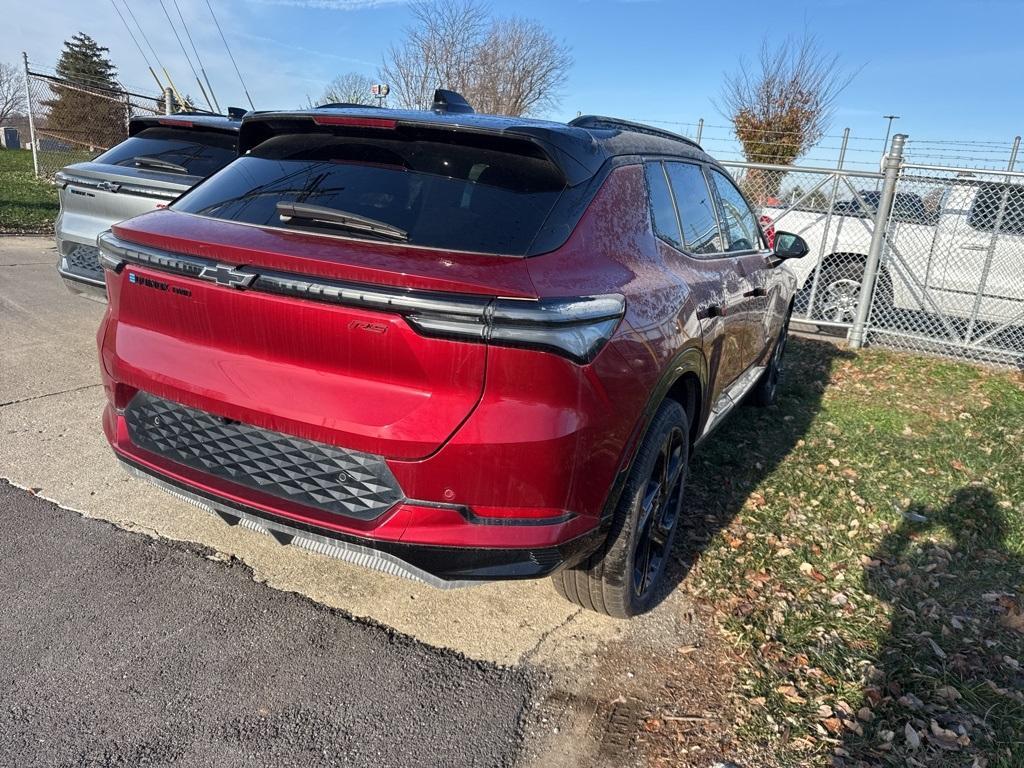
(790, 246)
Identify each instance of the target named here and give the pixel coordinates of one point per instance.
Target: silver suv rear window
(468, 194)
(201, 153)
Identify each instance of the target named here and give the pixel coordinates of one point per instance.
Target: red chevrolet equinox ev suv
(450, 346)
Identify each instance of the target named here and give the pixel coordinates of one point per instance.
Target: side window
(663, 210)
(738, 221)
(987, 202)
(696, 208)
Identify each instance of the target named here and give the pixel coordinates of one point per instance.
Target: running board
(731, 397)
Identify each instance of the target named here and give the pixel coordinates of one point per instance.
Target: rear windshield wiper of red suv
(144, 161)
(319, 214)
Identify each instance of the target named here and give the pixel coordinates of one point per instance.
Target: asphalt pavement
(124, 650)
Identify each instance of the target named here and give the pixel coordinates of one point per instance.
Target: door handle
(974, 247)
(756, 293)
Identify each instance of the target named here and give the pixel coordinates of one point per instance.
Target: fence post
(168, 101)
(31, 120)
(891, 166)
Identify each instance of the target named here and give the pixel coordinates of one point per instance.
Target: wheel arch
(684, 380)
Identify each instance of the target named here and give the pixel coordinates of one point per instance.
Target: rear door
(684, 216)
(759, 297)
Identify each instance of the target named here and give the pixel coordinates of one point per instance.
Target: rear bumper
(437, 566)
(79, 267)
(339, 503)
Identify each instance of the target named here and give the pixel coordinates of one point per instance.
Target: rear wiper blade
(144, 161)
(321, 214)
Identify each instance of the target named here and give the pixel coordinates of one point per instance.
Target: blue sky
(952, 69)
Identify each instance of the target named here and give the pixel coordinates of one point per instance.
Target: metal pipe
(168, 101)
(31, 120)
(802, 168)
(700, 129)
(958, 171)
(893, 163)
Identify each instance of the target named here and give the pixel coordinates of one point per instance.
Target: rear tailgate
(357, 377)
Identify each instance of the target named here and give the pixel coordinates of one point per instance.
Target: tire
(766, 391)
(839, 287)
(623, 577)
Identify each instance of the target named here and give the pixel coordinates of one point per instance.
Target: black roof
(185, 120)
(579, 148)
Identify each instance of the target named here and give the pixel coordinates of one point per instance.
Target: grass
(862, 543)
(27, 204)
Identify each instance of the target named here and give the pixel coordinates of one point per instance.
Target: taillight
(576, 328)
(768, 227)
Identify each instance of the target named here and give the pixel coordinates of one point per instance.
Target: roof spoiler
(450, 102)
(237, 113)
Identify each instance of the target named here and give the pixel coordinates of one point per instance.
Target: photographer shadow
(946, 684)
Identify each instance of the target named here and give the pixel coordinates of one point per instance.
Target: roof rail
(599, 122)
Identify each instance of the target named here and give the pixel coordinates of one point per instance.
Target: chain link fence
(74, 120)
(917, 256)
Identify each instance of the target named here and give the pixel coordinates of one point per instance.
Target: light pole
(888, 130)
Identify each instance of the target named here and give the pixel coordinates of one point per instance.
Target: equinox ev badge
(222, 274)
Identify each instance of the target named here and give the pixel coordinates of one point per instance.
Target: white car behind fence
(950, 275)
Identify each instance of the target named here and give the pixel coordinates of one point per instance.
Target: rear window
(483, 194)
(201, 153)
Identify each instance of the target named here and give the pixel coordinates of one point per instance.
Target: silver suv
(162, 157)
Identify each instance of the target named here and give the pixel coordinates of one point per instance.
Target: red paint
(507, 433)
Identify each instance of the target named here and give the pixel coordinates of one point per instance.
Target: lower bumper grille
(348, 483)
(84, 261)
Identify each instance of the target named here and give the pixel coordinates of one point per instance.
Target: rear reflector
(355, 122)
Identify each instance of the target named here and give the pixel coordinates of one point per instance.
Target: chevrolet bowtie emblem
(223, 274)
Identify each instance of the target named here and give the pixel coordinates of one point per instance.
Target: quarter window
(696, 208)
(663, 210)
(739, 223)
(985, 211)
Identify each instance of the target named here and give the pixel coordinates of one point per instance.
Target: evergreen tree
(88, 110)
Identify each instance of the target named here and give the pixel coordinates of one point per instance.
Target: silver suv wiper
(321, 214)
(145, 161)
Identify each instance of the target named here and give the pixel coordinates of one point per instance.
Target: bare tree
(782, 106)
(350, 88)
(503, 66)
(519, 68)
(12, 93)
